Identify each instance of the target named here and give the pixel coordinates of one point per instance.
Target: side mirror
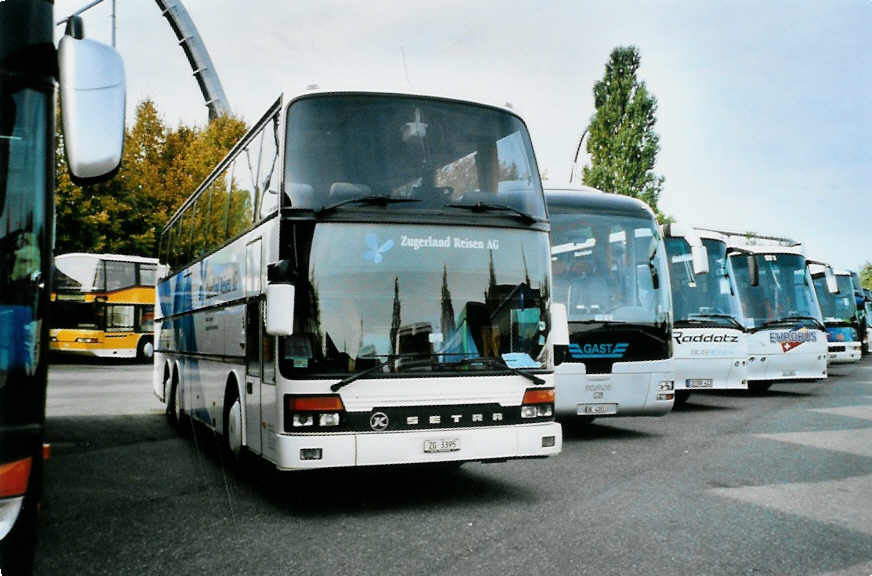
(753, 270)
(280, 309)
(559, 325)
(92, 92)
(700, 259)
(832, 282)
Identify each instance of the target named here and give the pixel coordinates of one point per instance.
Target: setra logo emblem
(378, 421)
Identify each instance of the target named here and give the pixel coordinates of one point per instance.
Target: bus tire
(175, 414)
(232, 437)
(681, 397)
(759, 387)
(145, 349)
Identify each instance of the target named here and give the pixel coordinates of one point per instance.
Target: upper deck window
(432, 152)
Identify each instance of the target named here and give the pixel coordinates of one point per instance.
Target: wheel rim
(177, 405)
(234, 428)
(148, 351)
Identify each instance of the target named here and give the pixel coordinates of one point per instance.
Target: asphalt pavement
(731, 483)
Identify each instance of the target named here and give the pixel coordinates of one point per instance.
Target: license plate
(441, 445)
(598, 409)
(698, 383)
(787, 373)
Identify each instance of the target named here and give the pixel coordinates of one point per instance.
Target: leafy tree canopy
(866, 276)
(621, 140)
(160, 168)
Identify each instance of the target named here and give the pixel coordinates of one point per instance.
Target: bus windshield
(421, 153)
(839, 307)
(783, 294)
(609, 268)
(75, 272)
(428, 296)
(704, 297)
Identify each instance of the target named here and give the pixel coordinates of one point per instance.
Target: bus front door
(254, 330)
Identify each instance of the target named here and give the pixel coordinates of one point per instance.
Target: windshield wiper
(486, 206)
(731, 319)
(429, 361)
(499, 363)
(813, 320)
(789, 319)
(369, 200)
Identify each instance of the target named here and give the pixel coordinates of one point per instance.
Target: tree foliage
(866, 276)
(160, 168)
(621, 140)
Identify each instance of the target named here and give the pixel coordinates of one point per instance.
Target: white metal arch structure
(195, 50)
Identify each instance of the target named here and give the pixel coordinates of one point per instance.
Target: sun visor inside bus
(281, 272)
(300, 195)
(343, 190)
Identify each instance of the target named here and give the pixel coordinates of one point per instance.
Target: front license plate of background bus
(698, 383)
(597, 409)
(441, 445)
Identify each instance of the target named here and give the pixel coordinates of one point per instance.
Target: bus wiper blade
(381, 364)
(369, 200)
(637, 328)
(486, 206)
(812, 319)
(732, 320)
(365, 372)
(499, 363)
(790, 320)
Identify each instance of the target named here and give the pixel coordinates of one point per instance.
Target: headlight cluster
(666, 390)
(538, 403)
(313, 411)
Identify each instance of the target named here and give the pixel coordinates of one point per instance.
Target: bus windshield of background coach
(700, 298)
(609, 268)
(783, 296)
(836, 307)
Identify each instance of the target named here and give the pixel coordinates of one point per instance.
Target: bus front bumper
(300, 452)
(631, 389)
(790, 366)
(701, 374)
(844, 352)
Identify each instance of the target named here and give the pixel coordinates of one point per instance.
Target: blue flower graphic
(374, 252)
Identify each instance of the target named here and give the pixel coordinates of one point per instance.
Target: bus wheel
(681, 397)
(758, 387)
(174, 406)
(233, 424)
(145, 349)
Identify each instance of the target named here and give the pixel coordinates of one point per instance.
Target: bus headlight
(301, 420)
(329, 419)
(312, 411)
(538, 403)
(87, 340)
(666, 386)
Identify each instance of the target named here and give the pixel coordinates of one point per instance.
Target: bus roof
(290, 96)
(110, 257)
(591, 199)
(768, 249)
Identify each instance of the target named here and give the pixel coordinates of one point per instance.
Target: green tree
(160, 168)
(622, 143)
(866, 275)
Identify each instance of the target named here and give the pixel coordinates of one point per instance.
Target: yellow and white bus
(103, 305)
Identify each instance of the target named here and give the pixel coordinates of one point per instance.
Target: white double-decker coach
(787, 339)
(364, 280)
(711, 348)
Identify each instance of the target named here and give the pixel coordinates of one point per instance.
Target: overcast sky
(765, 109)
